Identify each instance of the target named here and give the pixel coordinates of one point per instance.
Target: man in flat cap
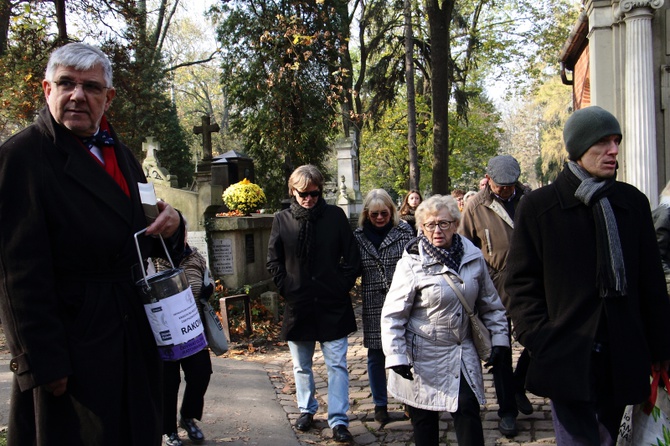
(586, 286)
(488, 221)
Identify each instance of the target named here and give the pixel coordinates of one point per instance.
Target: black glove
(403, 370)
(497, 357)
(206, 291)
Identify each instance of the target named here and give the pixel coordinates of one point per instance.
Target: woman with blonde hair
(381, 237)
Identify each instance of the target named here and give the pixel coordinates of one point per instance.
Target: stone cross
(206, 129)
(150, 146)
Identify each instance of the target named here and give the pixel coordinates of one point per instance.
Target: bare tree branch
(193, 62)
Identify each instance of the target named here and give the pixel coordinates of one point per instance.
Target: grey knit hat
(504, 170)
(587, 126)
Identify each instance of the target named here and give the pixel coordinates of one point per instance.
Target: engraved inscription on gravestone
(222, 256)
(197, 239)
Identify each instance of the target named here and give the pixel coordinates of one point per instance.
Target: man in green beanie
(588, 297)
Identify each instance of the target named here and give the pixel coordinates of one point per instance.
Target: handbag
(648, 422)
(216, 338)
(480, 334)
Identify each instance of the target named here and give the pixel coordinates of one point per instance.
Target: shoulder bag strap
(457, 290)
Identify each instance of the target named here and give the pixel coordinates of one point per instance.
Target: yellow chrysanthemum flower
(245, 197)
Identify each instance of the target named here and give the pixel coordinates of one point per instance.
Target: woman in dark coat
(381, 236)
(314, 261)
(85, 362)
(409, 204)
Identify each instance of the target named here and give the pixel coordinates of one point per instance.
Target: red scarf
(111, 165)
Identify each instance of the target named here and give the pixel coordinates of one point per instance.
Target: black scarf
(593, 192)
(374, 234)
(450, 257)
(307, 218)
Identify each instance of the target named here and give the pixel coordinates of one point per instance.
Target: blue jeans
(377, 376)
(335, 357)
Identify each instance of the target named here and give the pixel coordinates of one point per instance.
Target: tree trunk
(439, 20)
(60, 20)
(414, 172)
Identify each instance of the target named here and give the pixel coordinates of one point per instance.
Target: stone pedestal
(271, 301)
(349, 196)
(238, 249)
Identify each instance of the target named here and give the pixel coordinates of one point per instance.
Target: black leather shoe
(304, 421)
(382, 415)
(172, 440)
(507, 426)
(192, 430)
(523, 404)
(341, 434)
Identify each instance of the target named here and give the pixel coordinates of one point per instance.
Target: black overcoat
(555, 304)
(316, 294)
(68, 302)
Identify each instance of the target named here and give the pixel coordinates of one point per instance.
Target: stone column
(639, 145)
(601, 54)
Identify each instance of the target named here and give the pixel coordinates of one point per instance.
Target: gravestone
(349, 190)
(152, 167)
(232, 167)
(238, 250)
(235, 247)
(209, 194)
(165, 185)
(206, 129)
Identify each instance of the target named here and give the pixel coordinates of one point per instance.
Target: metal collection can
(171, 311)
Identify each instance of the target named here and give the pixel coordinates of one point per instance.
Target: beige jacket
(486, 223)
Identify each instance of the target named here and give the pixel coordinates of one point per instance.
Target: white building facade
(618, 57)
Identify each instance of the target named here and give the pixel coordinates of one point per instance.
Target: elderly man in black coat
(85, 362)
(588, 296)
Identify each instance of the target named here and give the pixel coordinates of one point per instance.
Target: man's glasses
(312, 193)
(383, 214)
(443, 224)
(68, 86)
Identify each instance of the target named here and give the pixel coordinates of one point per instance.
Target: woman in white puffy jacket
(425, 328)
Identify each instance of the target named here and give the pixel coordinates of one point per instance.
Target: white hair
(79, 56)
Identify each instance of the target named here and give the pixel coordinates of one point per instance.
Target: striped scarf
(610, 272)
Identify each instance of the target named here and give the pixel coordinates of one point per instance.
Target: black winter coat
(555, 304)
(68, 300)
(317, 302)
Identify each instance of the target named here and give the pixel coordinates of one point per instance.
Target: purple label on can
(180, 351)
